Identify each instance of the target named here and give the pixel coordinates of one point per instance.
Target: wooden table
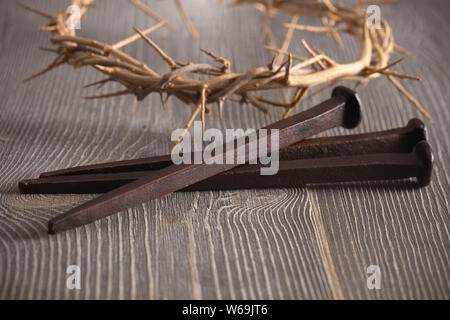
(296, 243)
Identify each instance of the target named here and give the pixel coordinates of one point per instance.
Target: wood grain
(303, 243)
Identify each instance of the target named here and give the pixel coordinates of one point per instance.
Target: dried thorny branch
(377, 46)
(336, 19)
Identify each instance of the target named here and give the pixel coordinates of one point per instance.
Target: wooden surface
(303, 243)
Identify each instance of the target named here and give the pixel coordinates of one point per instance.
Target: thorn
(288, 70)
(100, 83)
(161, 96)
(220, 106)
(203, 103)
(53, 65)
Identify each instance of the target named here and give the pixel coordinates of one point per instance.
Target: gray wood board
(296, 243)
